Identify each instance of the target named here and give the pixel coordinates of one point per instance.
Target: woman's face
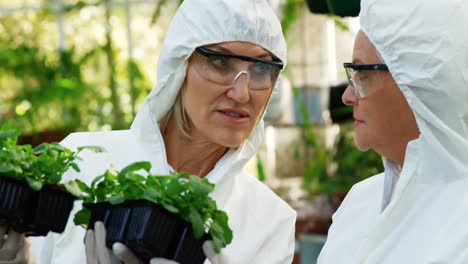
(383, 118)
(225, 114)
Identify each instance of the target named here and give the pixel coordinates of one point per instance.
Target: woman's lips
(358, 121)
(234, 118)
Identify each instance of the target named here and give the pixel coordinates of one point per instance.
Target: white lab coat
(425, 45)
(263, 224)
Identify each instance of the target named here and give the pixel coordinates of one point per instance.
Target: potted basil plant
(155, 216)
(32, 199)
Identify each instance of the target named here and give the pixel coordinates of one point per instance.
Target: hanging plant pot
(34, 213)
(149, 230)
(344, 8)
(318, 6)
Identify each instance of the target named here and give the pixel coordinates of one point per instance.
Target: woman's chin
(231, 142)
(361, 145)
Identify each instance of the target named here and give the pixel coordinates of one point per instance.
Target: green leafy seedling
(181, 193)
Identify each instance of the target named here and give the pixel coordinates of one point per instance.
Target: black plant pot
(344, 8)
(149, 230)
(34, 213)
(318, 6)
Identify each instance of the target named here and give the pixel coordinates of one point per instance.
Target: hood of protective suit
(203, 22)
(425, 45)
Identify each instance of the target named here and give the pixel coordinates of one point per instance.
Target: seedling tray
(34, 213)
(149, 230)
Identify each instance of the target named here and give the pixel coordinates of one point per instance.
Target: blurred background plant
(57, 77)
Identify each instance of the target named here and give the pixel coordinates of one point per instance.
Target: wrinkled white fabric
(263, 224)
(392, 173)
(425, 45)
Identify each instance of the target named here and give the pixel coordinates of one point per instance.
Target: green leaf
(75, 167)
(34, 184)
(153, 182)
(217, 244)
(96, 149)
(260, 170)
(141, 165)
(82, 186)
(97, 180)
(152, 194)
(221, 226)
(57, 147)
(4, 168)
(135, 177)
(117, 199)
(201, 185)
(174, 187)
(197, 223)
(171, 208)
(73, 188)
(41, 148)
(217, 233)
(7, 134)
(82, 217)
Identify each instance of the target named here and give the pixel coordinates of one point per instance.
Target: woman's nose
(349, 97)
(239, 90)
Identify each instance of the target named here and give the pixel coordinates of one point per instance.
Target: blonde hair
(178, 112)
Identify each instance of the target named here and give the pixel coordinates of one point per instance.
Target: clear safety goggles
(364, 78)
(226, 68)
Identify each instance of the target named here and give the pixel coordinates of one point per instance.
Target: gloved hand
(14, 247)
(127, 256)
(95, 246)
(98, 253)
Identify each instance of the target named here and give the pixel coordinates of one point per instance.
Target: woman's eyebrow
(357, 61)
(265, 54)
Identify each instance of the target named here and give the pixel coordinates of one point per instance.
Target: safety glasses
(364, 78)
(226, 68)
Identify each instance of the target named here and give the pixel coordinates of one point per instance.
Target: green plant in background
(291, 13)
(44, 164)
(333, 171)
(182, 194)
(260, 169)
(44, 87)
(352, 165)
(157, 11)
(315, 170)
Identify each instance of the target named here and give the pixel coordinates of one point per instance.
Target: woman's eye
(220, 62)
(362, 75)
(261, 68)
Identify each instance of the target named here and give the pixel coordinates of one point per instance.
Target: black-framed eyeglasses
(225, 68)
(358, 76)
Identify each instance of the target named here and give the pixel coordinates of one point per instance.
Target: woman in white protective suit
(409, 93)
(216, 72)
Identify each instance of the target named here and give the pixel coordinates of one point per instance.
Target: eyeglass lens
(355, 82)
(225, 70)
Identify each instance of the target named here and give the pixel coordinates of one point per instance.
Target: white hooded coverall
(425, 45)
(263, 224)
